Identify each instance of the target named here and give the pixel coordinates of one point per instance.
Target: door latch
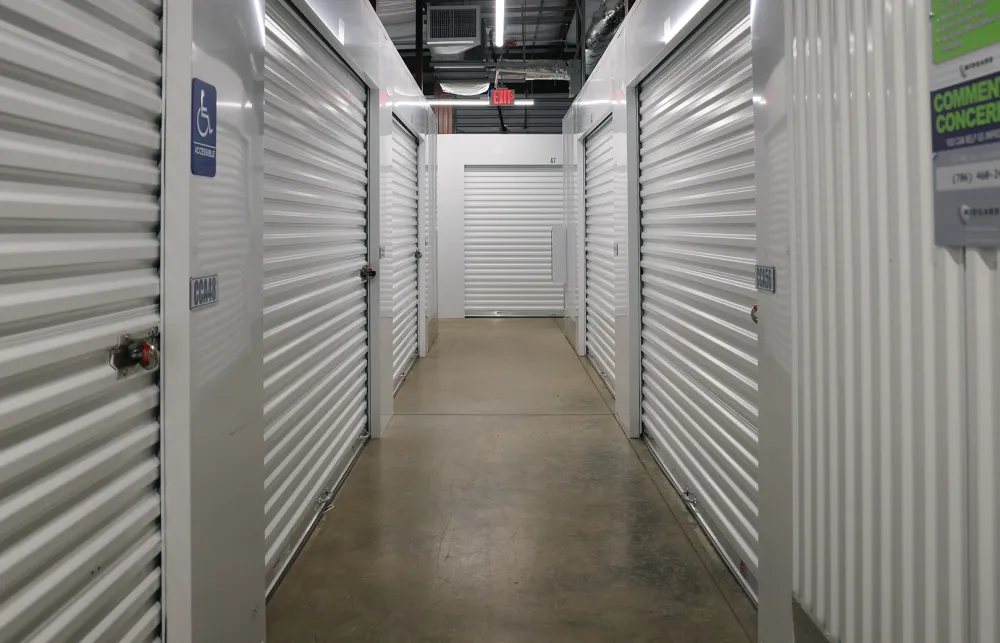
(136, 352)
(418, 254)
(754, 313)
(367, 273)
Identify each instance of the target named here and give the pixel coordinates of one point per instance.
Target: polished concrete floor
(506, 505)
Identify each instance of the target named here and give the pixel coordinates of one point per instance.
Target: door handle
(136, 352)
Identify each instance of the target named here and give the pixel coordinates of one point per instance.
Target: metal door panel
(599, 241)
(404, 213)
(315, 302)
(80, 112)
(698, 255)
(513, 219)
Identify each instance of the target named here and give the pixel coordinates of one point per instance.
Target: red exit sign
(501, 96)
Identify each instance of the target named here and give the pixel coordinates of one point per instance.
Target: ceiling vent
(452, 30)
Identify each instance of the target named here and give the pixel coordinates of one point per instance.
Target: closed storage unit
(429, 254)
(315, 300)
(599, 242)
(80, 112)
(513, 220)
(402, 251)
(697, 258)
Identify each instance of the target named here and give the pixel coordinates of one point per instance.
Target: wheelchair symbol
(203, 115)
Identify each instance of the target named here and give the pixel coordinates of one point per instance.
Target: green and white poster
(965, 121)
(964, 26)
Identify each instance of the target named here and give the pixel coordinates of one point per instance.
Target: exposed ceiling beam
(569, 10)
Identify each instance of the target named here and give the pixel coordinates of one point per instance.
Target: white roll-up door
(315, 301)
(599, 242)
(429, 259)
(513, 220)
(79, 257)
(698, 255)
(403, 218)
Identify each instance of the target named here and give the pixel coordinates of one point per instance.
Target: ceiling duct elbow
(603, 26)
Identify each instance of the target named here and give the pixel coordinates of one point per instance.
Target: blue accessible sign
(204, 102)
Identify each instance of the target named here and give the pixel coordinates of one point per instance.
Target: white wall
(455, 152)
(213, 457)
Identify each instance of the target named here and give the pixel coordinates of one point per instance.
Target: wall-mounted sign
(204, 291)
(965, 122)
(204, 108)
(501, 96)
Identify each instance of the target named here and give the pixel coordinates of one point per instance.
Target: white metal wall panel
(983, 296)
(512, 216)
(698, 252)
(402, 246)
(881, 542)
(80, 145)
(599, 244)
(315, 302)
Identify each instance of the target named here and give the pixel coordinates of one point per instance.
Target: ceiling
(540, 35)
(545, 117)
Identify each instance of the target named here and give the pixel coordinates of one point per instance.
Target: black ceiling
(543, 31)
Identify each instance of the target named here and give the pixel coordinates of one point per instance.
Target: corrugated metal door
(79, 254)
(513, 215)
(429, 255)
(698, 253)
(315, 302)
(403, 245)
(599, 241)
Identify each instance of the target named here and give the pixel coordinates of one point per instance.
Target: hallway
(504, 504)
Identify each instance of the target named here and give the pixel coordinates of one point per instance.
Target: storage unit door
(697, 256)
(599, 241)
(80, 536)
(512, 217)
(429, 258)
(403, 217)
(315, 302)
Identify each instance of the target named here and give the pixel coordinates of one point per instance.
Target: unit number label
(204, 291)
(765, 278)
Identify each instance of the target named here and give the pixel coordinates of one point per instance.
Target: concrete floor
(505, 505)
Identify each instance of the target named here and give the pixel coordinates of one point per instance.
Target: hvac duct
(608, 17)
(509, 70)
(536, 70)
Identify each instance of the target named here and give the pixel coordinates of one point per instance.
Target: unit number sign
(765, 278)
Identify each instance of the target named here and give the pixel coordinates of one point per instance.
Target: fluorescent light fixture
(498, 28)
(459, 102)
